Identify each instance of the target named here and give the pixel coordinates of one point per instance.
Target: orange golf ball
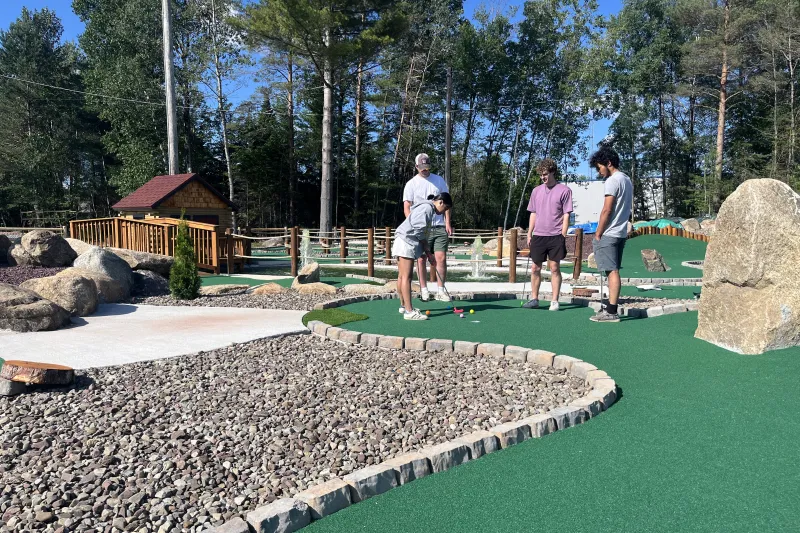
(427, 312)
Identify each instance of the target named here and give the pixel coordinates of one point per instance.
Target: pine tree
(184, 281)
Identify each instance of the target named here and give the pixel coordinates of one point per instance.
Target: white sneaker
(415, 315)
(554, 306)
(425, 295)
(443, 295)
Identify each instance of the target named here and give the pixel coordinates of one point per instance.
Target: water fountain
(478, 264)
(306, 251)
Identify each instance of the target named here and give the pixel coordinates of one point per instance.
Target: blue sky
(10, 10)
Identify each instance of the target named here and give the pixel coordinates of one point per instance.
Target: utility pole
(448, 124)
(169, 85)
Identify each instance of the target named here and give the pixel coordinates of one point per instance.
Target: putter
(601, 291)
(527, 265)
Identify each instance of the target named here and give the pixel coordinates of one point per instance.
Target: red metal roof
(158, 189)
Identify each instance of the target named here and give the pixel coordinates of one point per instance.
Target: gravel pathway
(189, 442)
(16, 275)
(284, 300)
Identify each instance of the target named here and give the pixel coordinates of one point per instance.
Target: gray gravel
(191, 442)
(284, 300)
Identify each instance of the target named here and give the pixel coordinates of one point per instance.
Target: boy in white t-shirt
(416, 191)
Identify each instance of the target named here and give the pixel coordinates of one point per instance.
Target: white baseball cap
(423, 162)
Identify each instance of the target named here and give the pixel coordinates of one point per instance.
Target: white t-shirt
(620, 187)
(418, 189)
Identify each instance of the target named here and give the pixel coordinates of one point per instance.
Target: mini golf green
(332, 280)
(701, 440)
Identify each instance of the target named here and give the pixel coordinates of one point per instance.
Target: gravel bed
(284, 300)
(15, 275)
(190, 442)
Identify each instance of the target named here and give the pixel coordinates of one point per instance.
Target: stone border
(291, 514)
(635, 312)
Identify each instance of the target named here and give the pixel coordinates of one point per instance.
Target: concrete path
(121, 333)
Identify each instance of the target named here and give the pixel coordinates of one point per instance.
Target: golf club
(601, 290)
(526, 274)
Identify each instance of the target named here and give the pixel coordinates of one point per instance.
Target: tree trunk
(292, 174)
(661, 154)
(327, 115)
(339, 128)
(467, 138)
(357, 155)
(723, 98)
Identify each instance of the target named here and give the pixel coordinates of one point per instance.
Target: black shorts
(552, 247)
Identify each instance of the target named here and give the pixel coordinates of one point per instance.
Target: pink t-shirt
(550, 205)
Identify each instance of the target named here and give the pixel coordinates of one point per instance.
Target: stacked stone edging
(292, 514)
(634, 312)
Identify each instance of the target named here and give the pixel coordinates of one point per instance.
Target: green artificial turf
(333, 317)
(674, 250)
(701, 439)
(335, 281)
(229, 280)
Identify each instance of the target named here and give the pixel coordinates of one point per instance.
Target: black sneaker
(531, 304)
(604, 316)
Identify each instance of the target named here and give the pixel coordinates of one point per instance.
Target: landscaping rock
(591, 262)
(12, 388)
(370, 481)
(37, 373)
(465, 347)
(76, 294)
(5, 244)
(541, 357)
(23, 310)
(691, 224)
(108, 290)
(511, 433)
(235, 525)
(308, 274)
(415, 343)
(47, 249)
(522, 242)
(313, 288)
(108, 264)
(365, 288)
(282, 516)
(391, 286)
(490, 349)
(540, 425)
(80, 247)
(353, 337)
(480, 443)
(409, 467)
(446, 455)
(391, 342)
(269, 288)
(653, 261)
(751, 299)
(569, 416)
(160, 264)
(517, 354)
(147, 283)
(217, 290)
(439, 345)
(326, 498)
(18, 256)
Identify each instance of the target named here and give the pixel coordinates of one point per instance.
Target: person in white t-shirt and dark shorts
(612, 229)
(417, 190)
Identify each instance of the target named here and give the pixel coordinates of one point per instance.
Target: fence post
(293, 250)
(117, 231)
(214, 246)
(370, 251)
(499, 247)
(72, 229)
(387, 252)
(342, 244)
(512, 257)
(229, 249)
(576, 270)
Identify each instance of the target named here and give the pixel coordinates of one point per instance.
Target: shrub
(184, 281)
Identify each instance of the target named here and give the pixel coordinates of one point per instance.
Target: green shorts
(438, 240)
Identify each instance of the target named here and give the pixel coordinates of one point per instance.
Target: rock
(76, 294)
(391, 286)
(709, 225)
(37, 373)
(691, 224)
(370, 481)
(314, 288)
(104, 262)
(309, 273)
(364, 288)
(446, 455)
(269, 288)
(5, 244)
(751, 299)
(23, 310)
(284, 515)
(78, 245)
(12, 388)
(511, 433)
(522, 242)
(216, 290)
(160, 264)
(235, 525)
(653, 261)
(18, 256)
(147, 283)
(108, 290)
(490, 245)
(591, 262)
(48, 249)
(408, 467)
(326, 498)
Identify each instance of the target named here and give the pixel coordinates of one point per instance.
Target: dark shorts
(552, 247)
(438, 240)
(608, 253)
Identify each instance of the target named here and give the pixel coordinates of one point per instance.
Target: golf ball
(427, 312)
(472, 311)
(461, 315)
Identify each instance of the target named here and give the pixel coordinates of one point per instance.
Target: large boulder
(751, 295)
(23, 310)
(108, 290)
(269, 288)
(79, 246)
(365, 288)
(309, 273)
(18, 256)
(76, 294)
(522, 242)
(148, 283)
(219, 290)
(160, 264)
(315, 288)
(5, 244)
(48, 249)
(104, 262)
(691, 224)
(653, 261)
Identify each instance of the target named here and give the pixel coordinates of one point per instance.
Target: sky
(10, 10)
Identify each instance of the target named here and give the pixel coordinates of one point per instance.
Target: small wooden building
(167, 196)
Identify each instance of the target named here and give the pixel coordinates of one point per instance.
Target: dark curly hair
(547, 165)
(605, 156)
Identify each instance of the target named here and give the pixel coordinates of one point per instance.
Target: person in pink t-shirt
(550, 206)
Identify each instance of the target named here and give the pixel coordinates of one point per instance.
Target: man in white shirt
(418, 189)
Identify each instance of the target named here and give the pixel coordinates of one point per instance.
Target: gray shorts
(608, 253)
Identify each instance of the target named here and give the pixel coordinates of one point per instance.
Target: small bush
(184, 281)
